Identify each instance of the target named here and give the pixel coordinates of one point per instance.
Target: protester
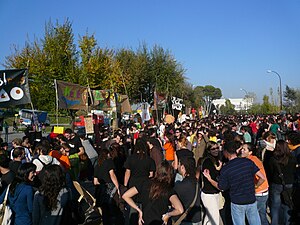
(43, 158)
(107, 186)
(181, 152)
(18, 154)
(261, 193)
(7, 175)
(17, 142)
(201, 141)
(155, 196)
(62, 155)
(89, 150)
(20, 195)
(246, 135)
(169, 147)
(76, 149)
(282, 166)
(238, 176)
(155, 151)
(51, 200)
(139, 166)
(119, 158)
(186, 190)
(210, 195)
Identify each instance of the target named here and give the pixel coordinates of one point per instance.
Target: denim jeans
(262, 208)
(238, 213)
(279, 211)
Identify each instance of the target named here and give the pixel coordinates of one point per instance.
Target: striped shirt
(238, 176)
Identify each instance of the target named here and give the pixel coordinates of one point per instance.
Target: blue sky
(225, 43)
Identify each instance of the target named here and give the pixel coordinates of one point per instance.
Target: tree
(289, 96)
(228, 109)
(135, 73)
(267, 107)
(210, 93)
(291, 99)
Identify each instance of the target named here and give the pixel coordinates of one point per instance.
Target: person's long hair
(171, 139)
(161, 184)
(53, 180)
(141, 148)
(268, 136)
(282, 152)
(22, 176)
(183, 141)
(114, 150)
(207, 153)
(104, 154)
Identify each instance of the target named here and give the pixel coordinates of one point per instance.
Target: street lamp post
(280, 90)
(246, 97)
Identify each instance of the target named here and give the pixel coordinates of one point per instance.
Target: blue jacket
(21, 204)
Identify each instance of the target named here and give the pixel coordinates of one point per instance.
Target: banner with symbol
(71, 96)
(14, 89)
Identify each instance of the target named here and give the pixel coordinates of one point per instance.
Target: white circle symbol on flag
(16, 93)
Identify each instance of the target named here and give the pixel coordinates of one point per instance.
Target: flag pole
(56, 95)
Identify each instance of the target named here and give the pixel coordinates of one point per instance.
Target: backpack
(44, 166)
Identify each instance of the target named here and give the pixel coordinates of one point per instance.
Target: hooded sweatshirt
(46, 159)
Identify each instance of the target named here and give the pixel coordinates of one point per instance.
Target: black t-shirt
(140, 169)
(6, 179)
(102, 171)
(186, 190)
(208, 188)
(74, 144)
(153, 209)
(288, 170)
(14, 166)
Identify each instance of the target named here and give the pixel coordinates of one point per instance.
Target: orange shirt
(264, 186)
(63, 159)
(169, 151)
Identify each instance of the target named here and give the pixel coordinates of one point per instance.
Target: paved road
(13, 135)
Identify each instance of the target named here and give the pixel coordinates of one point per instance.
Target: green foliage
(291, 99)
(210, 93)
(265, 108)
(228, 109)
(135, 73)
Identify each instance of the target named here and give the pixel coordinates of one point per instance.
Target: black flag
(14, 89)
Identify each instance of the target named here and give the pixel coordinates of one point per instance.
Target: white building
(238, 103)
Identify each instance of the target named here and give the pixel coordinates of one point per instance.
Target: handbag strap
(189, 208)
(6, 195)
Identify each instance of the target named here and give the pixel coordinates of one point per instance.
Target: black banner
(14, 89)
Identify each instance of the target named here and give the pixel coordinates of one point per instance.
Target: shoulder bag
(287, 192)
(5, 211)
(182, 217)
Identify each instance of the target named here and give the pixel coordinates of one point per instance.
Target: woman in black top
(210, 195)
(139, 166)
(180, 153)
(282, 160)
(107, 185)
(156, 196)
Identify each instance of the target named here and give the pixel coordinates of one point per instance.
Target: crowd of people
(213, 170)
